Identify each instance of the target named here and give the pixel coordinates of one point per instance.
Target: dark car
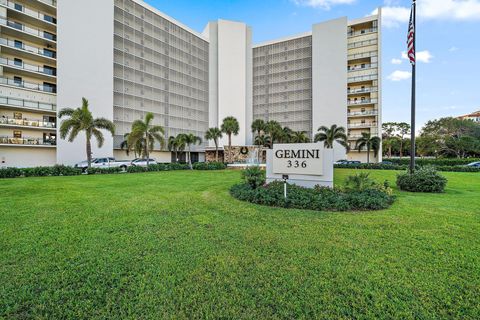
(387, 162)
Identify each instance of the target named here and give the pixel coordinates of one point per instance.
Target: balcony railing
(362, 125)
(360, 102)
(29, 12)
(29, 30)
(362, 32)
(362, 55)
(27, 141)
(362, 90)
(365, 43)
(27, 104)
(28, 67)
(28, 85)
(362, 78)
(27, 48)
(52, 3)
(364, 113)
(27, 123)
(365, 66)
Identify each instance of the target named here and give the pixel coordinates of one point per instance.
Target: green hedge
(379, 166)
(425, 179)
(319, 198)
(434, 162)
(60, 170)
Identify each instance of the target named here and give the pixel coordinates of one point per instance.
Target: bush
(136, 169)
(319, 198)
(209, 166)
(111, 170)
(425, 179)
(435, 162)
(379, 166)
(61, 170)
(10, 173)
(37, 172)
(254, 177)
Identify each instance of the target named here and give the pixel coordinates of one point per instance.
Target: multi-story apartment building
(293, 83)
(130, 59)
(28, 77)
(364, 83)
(474, 116)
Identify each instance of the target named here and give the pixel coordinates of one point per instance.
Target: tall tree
(230, 126)
(81, 119)
(274, 129)
(300, 137)
(331, 135)
(144, 130)
(258, 126)
(403, 129)
(389, 137)
(214, 134)
(371, 143)
(189, 140)
(137, 149)
(173, 146)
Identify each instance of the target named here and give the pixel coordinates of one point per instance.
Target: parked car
(142, 162)
(341, 162)
(353, 162)
(387, 162)
(474, 164)
(103, 163)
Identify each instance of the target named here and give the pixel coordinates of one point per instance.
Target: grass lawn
(176, 245)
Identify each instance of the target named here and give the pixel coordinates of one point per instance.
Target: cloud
(422, 56)
(453, 49)
(323, 4)
(399, 75)
(396, 61)
(453, 10)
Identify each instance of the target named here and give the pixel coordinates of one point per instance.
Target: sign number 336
(296, 164)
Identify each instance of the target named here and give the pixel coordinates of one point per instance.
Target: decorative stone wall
(239, 154)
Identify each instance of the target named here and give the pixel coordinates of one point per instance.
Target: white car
(474, 164)
(142, 162)
(103, 163)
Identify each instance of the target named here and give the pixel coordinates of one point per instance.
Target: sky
(448, 43)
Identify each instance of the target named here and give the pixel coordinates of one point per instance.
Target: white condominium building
(130, 59)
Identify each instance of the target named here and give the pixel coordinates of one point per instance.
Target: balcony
(27, 105)
(34, 124)
(20, 65)
(28, 49)
(27, 85)
(364, 66)
(52, 3)
(363, 114)
(361, 102)
(362, 78)
(12, 141)
(28, 30)
(361, 32)
(29, 12)
(362, 125)
(362, 90)
(363, 55)
(360, 44)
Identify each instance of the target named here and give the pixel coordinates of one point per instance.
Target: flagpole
(412, 144)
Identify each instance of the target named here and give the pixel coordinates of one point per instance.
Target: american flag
(411, 36)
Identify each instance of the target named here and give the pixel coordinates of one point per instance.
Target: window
(17, 80)
(49, 87)
(49, 19)
(18, 7)
(18, 44)
(17, 134)
(49, 53)
(49, 70)
(18, 62)
(49, 36)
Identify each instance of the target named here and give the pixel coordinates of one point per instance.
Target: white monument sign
(306, 164)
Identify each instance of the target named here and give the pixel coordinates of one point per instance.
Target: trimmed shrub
(254, 177)
(61, 170)
(209, 166)
(111, 170)
(425, 179)
(10, 173)
(37, 172)
(379, 166)
(319, 198)
(136, 169)
(435, 162)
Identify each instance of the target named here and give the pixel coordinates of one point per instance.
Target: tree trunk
(368, 155)
(401, 148)
(216, 151)
(147, 151)
(89, 152)
(190, 158)
(230, 148)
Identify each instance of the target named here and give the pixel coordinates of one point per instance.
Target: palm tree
(286, 135)
(274, 129)
(372, 143)
(172, 145)
(230, 126)
(258, 126)
(331, 135)
(137, 149)
(81, 119)
(300, 137)
(143, 130)
(190, 139)
(214, 134)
